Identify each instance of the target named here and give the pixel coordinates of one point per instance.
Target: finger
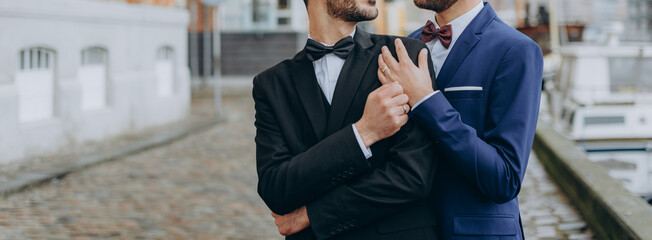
(396, 111)
(400, 99)
(389, 59)
(423, 60)
(404, 119)
(403, 56)
(389, 74)
(393, 90)
(407, 108)
(382, 66)
(382, 78)
(389, 91)
(403, 109)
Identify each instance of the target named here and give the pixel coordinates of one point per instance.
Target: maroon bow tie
(444, 34)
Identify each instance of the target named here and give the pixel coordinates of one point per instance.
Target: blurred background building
(79, 70)
(257, 34)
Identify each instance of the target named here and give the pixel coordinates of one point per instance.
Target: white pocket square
(463, 88)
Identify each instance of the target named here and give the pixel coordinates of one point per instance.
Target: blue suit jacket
(483, 134)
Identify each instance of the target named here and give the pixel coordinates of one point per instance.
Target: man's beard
(435, 5)
(349, 11)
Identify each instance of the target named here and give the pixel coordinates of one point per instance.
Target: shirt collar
(461, 22)
(327, 45)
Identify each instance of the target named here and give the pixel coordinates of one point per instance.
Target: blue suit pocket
(463, 94)
(489, 225)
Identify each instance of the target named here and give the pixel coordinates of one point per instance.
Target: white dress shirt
(437, 51)
(327, 70)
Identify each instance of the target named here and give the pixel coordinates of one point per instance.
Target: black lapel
(350, 78)
(469, 38)
(307, 87)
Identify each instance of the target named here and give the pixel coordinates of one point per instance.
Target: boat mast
(518, 7)
(554, 27)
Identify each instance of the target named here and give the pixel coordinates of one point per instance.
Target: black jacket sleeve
(407, 179)
(287, 181)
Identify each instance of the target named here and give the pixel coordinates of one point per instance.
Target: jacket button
(340, 228)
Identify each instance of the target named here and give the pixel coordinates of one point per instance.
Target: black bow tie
(342, 49)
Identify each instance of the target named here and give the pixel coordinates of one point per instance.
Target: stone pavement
(545, 211)
(204, 187)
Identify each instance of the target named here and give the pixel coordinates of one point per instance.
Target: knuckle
(396, 120)
(385, 104)
(397, 89)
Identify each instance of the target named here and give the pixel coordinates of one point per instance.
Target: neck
(324, 28)
(458, 9)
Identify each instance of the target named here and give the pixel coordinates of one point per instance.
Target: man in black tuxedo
(335, 153)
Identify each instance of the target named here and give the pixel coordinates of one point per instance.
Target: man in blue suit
(482, 119)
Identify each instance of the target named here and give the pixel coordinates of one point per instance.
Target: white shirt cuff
(365, 150)
(424, 99)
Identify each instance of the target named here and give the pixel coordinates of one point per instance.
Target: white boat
(601, 97)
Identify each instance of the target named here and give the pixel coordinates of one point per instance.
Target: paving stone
(546, 220)
(579, 236)
(571, 226)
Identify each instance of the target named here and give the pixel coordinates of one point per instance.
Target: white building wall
(132, 35)
(238, 16)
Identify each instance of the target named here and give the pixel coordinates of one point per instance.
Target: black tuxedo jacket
(307, 153)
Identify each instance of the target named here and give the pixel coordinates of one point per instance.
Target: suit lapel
(351, 76)
(469, 38)
(307, 87)
(459, 52)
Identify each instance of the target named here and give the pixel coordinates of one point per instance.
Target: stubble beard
(350, 11)
(435, 5)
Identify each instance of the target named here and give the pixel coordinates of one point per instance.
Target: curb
(609, 209)
(31, 179)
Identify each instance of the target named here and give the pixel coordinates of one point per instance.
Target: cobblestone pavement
(546, 212)
(204, 187)
(201, 187)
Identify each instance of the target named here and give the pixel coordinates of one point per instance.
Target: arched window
(35, 83)
(93, 78)
(165, 71)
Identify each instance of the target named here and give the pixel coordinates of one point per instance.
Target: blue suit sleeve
(494, 162)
